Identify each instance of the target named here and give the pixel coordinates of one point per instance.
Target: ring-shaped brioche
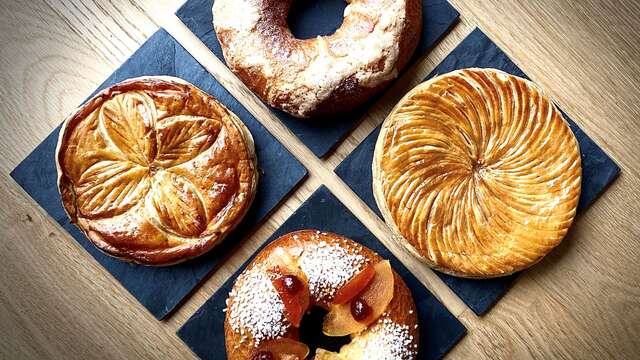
(323, 75)
(155, 171)
(477, 173)
(255, 315)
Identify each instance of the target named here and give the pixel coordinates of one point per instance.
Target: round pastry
(153, 170)
(477, 173)
(323, 75)
(365, 298)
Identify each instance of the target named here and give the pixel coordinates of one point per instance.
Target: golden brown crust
(477, 173)
(323, 75)
(401, 310)
(155, 171)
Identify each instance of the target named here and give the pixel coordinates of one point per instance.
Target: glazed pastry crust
(155, 171)
(401, 309)
(477, 173)
(322, 75)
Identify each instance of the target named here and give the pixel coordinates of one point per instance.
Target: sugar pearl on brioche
(323, 264)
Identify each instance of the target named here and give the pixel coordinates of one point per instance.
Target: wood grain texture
(583, 301)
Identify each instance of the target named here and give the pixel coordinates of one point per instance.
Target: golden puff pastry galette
(155, 171)
(477, 173)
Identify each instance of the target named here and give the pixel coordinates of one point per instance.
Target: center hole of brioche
(310, 18)
(311, 332)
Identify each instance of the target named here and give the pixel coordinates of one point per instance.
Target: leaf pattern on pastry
(142, 170)
(111, 187)
(129, 121)
(478, 173)
(178, 204)
(182, 138)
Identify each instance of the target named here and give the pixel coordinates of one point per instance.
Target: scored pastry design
(155, 171)
(365, 298)
(325, 74)
(477, 173)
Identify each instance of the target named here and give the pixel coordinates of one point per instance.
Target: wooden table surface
(582, 301)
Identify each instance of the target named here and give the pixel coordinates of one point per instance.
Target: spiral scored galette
(477, 173)
(365, 298)
(155, 171)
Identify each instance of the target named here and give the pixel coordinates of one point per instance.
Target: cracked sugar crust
(374, 42)
(155, 171)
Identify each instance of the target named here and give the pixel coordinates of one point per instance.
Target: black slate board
(477, 50)
(309, 18)
(161, 289)
(439, 329)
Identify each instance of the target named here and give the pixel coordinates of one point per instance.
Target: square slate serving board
(477, 50)
(307, 19)
(161, 289)
(439, 329)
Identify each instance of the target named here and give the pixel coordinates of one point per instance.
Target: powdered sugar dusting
(257, 309)
(390, 341)
(329, 266)
(309, 71)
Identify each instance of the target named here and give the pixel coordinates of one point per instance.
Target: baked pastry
(477, 173)
(323, 75)
(155, 171)
(364, 297)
